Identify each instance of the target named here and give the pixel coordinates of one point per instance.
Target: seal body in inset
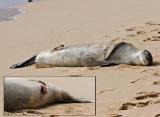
(102, 54)
(20, 93)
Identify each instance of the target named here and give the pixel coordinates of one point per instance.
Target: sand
(49, 23)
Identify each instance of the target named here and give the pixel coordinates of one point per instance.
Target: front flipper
(106, 63)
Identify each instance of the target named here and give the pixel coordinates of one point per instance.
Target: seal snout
(147, 57)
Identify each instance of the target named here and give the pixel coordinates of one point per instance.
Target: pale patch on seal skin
(89, 55)
(20, 93)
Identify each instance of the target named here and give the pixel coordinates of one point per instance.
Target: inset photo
(57, 95)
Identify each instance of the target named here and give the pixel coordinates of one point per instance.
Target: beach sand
(122, 90)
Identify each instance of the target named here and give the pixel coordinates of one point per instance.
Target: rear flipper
(76, 100)
(67, 98)
(28, 62)
(82, 100)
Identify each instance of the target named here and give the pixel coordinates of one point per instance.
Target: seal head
(142, 57)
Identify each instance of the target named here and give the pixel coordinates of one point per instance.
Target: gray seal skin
(20, 93)
(101, 54)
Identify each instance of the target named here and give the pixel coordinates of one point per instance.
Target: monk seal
(101, 54)
(21, 93)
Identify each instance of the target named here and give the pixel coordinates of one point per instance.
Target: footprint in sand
(130, 29)
(91, 68)
(35, 112)
(140, 32)
(114, 115)
(152, 38)
(156, 82)
(100, 92)
(155, 30)
(69, 109)
(135, 31)
(150, 31)
(154, 72)
(152, 23)
(130, 105)
(131, 32)
(145, 95)
(141, 96)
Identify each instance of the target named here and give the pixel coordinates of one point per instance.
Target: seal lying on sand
(102, 54)
(22, 93)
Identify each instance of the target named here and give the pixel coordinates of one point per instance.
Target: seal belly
(70, 57)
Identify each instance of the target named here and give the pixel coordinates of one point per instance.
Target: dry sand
(123, 90)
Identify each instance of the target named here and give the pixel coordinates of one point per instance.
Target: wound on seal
(43, 87)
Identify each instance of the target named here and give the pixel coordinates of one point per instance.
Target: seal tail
(28, 62)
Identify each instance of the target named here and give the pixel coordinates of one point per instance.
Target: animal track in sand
(145, 95)
(156, 82)
(91, 68)
(135, 31)
(152, 23)
(142, 96)
(69, 109)
(35, 112)
(52, 116)
(114, 115)
(154, 72)
(147, 70)
(100, 92)
(131, 29)
(130, 105)
(123, 66)
(148, 32)
(140, 32)
(136, 80)
(153, 38)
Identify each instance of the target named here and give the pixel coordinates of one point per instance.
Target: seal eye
(148, 60)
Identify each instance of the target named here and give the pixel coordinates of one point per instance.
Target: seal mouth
(147, 57)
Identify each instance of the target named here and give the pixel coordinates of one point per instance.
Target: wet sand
(11, 3)
(7, 14)
(122, 90)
